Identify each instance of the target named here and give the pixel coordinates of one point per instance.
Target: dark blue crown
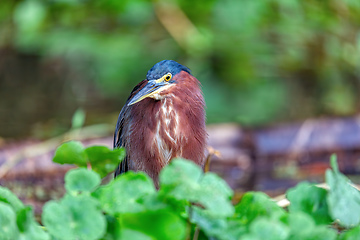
(164, 67)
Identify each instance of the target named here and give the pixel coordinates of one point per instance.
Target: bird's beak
(151, 88)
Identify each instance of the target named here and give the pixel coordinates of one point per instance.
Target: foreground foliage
(189, 204)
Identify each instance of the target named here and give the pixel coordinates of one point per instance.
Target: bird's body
(159, 123)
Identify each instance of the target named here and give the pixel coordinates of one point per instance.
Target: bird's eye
(168, 77)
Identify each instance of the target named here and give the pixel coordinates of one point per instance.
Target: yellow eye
(168, 77)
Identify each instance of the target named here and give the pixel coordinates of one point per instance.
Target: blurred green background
(259, 62)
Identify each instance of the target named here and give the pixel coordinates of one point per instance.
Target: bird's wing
(119, 138)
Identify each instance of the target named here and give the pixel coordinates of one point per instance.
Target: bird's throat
(158, 96)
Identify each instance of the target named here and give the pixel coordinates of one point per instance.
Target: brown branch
(211, 152)
(176, 23)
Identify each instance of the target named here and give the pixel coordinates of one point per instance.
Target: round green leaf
(220, 228)
(72, 152)
(180, 172)
(300, 220)
(74, 218)
(158, 224)
(121, 195)
(184, 180)
(323, 233)
(7, 196)
(302, 226)
(310, 199)
(103, 160)
(57, 218)
(263, 228)
(254, 205)
(215, 196)
(181, 180)
(81, 180)
(8, 228)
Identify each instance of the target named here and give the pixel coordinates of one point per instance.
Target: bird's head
(162, 76)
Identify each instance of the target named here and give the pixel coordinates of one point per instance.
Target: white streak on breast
(177, 123)
(167, 116)
(167, 108)
(164, 151)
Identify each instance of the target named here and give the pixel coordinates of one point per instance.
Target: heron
(163, 118)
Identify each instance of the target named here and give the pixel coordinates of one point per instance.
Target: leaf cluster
(100, 158)
(188, 204)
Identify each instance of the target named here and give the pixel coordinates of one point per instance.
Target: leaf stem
(196, 233)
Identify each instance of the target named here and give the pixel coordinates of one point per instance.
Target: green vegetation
(190, 204)
(264, 60)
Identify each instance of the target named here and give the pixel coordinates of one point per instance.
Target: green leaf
(321, 233)
(343, 199)
(123, 193)
(23, 219)
(132, 234)
(8, 229)
(28, 15)
(310, 199)
(81, 180)
(303, 227)
(103, 160)
(154, 202)
(213, 227)
(352, 234)
(215, 196)
(264, 228)
(74, 218)
(112, 228)
(219, 228)
(28, 227)
(78, 119)
(180, 178)
(254, 205)
(299, 220)
(160, 224)
(234, 230)
(184, 180)
(72, 152)
(7, 196)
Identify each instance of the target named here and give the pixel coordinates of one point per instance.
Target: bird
(163, 118)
